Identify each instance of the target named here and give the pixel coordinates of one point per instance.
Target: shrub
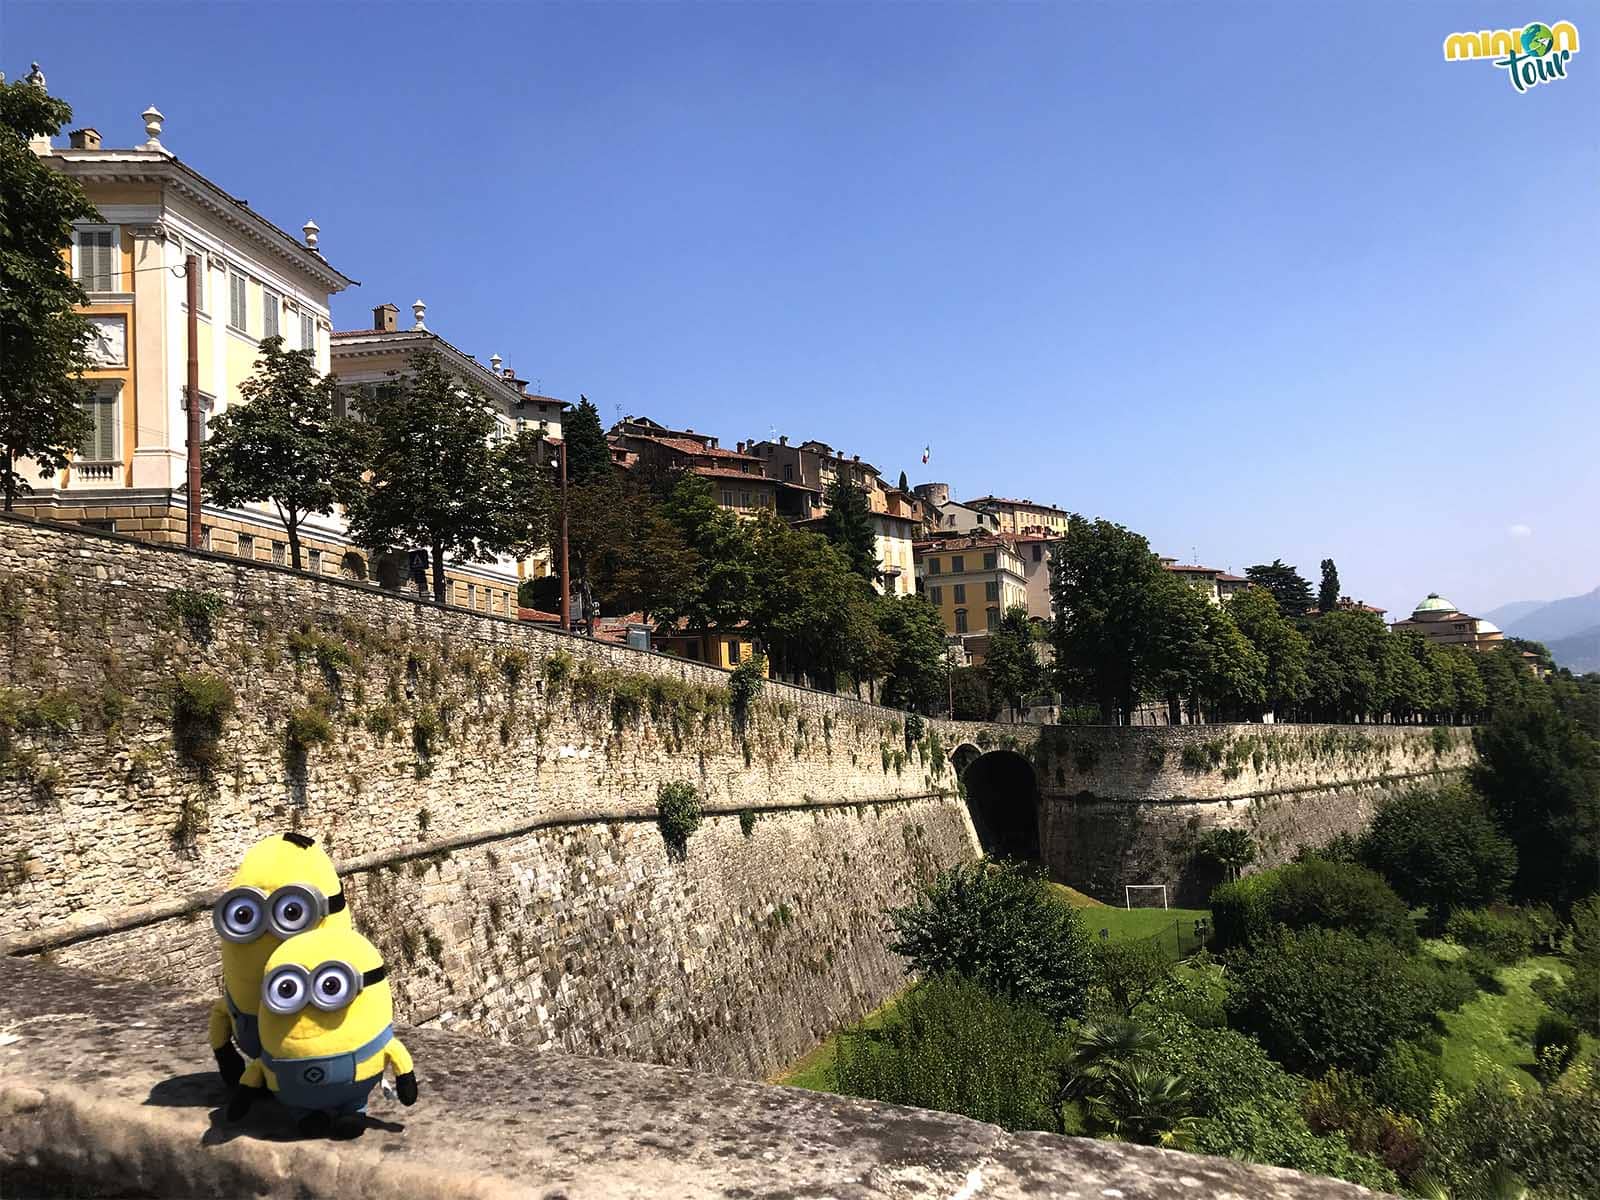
(1248, 1106)
(914, 727)
(1439, 849)
(557, 669)
(195, 611)
(678, 814)
(747, 821)
(745, 684)
(1325, 998)
(427, 731)
(950, 1045)
(1549, 1137)
(1555, 1045)
(1231, 849)
(1001, 925)
(1406, 1077)
(1578, 997)
(1503, 936)
(308, 726)
(1343, 1102)
(1130, 972)
(1310, 894)
(201, 702)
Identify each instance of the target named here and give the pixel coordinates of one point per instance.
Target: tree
(1346, 653)
(848, 525)
(1328, 593)
(588, 452)
(1103, 584)
(916, 676)
(904, 485)
(282, 443)
(969, 696)
(1540, 775)
(1439, 849)
(1285, 649)
(1287, 586)
(721, 592)
(43, 339)
(1001, 926)
(433, 479)
(1011, 663)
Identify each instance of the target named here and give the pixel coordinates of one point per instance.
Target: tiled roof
(1194, 570)
(539, 616)
(730, 473)
(690, 446)
(1226, 578)
(1018, 503)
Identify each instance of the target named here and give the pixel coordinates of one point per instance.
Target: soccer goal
(1146, 900)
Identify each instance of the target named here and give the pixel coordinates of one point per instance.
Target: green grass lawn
(1498, 1028)
(815, 1070)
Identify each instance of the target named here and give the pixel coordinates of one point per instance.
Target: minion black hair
(299, 839)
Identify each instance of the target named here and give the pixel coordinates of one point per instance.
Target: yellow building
(971, 581)
(1443, 624)
(256, 281)
(1023, 516)
(725, 648)
(366, 360)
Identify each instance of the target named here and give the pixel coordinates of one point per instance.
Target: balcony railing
(94, 472)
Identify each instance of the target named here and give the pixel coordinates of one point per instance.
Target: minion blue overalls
(328, 1082)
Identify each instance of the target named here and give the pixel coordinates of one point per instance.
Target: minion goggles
(244, 913)
(330, 986)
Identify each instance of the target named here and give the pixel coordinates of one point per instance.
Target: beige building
(1035, 551)
(364, 361)
(944, 517)
(256, 281)
(1214, 583)
(1023, 516)
(972, 581)
(737, 479)
(1443, 624)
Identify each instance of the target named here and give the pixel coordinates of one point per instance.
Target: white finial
(311, 230)
(494, 363)
(419, 310)
(152, 126)
(35, 77)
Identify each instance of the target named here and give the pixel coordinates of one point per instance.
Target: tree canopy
(1287, 586)
(1011, 662)
(848, 525)
(43, 339)
(1328, 593)
(282, 443)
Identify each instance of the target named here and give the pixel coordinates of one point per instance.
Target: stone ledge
(107, 1088)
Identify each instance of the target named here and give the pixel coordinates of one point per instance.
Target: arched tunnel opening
(1003, 801)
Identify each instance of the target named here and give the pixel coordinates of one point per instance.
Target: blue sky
(1258, 281)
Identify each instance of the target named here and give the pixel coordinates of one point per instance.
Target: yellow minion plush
(285, 886)
(327, 1030)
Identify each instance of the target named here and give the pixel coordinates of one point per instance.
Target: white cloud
(1519, 530)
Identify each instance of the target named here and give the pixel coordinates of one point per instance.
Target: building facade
(256, 281)
(1442, 623)
(737, 479)
(972, 581)
(1035, 551)
(1023, 516)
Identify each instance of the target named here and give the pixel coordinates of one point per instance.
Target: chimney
(87, 138)
(783, 439)
(855, 458)
(386, 318)
(739, 446)
(419, 310)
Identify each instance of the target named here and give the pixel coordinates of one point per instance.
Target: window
(991, 590)
(991, 619)
(100, 406)
(727, 499)
(314, 561)
(208, 405)
(960, 593)
(788, 471)
(936, 594)
(472, 595)
(958, 564)
(205, 537)
(277, 553)
(308, 333)
(1038, 552)
(961, 620)
(271, 309)
(186, 248)
(989, 561)
(933, 566)
(744, 499)
(247, 546)
(236, 312)
(734, 649)
(97, 259)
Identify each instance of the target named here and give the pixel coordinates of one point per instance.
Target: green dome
(1435, 603)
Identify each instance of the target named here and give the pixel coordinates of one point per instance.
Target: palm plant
(1501, 1183)
(1137, 1102)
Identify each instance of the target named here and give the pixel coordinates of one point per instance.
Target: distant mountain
(1508, 613)
(1559, 619)
(1578, 652)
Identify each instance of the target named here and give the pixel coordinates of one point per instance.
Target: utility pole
(566, 580)
(191, 270)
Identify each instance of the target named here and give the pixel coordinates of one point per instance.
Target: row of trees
(1128, 631)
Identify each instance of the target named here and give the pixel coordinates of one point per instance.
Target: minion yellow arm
(221, 1025)
(255, 1075)
(398, 1056)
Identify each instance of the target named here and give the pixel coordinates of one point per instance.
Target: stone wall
(1130, 806)
(490, 789)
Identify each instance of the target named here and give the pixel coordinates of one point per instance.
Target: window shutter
(106, 427)
(308, 333)
(269, 313)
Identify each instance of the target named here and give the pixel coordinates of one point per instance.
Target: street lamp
(559, 462)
